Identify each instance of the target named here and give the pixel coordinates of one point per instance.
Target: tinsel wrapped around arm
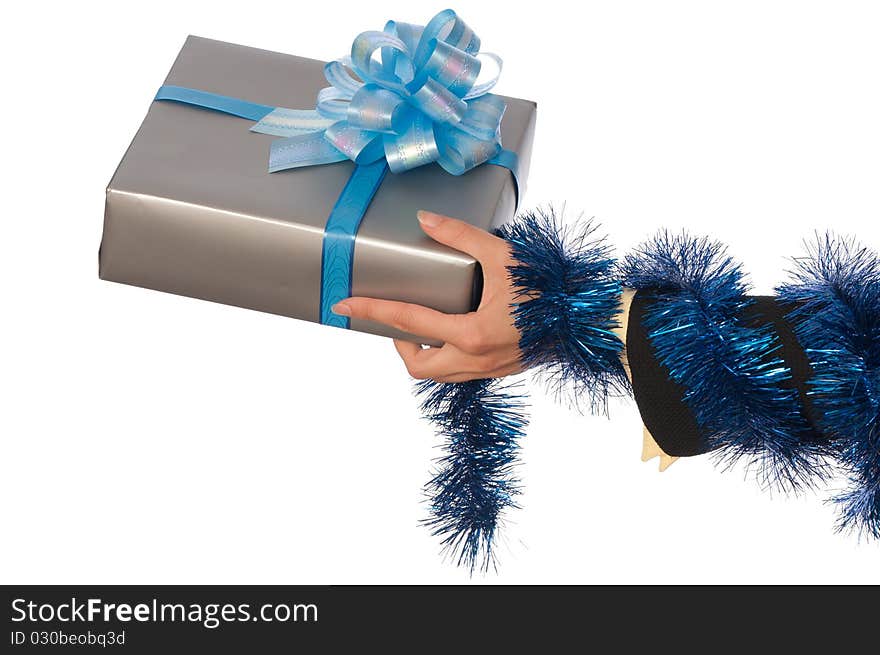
(835, 300)
(566, 311)
(729, 367)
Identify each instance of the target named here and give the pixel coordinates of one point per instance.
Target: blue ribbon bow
(408, 95)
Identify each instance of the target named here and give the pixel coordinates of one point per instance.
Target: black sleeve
(662, 401)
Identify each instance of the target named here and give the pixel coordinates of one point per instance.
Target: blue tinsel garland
(475, 481)
(732, 372)
(836, 292)
(567, 308)
(566, 312)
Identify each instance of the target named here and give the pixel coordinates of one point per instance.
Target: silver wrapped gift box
(192, 209)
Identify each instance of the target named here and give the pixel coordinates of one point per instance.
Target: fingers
(462, 236)
(407, 317)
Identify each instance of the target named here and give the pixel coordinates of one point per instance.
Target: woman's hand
(481, 344)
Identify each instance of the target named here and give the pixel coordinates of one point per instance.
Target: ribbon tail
(302, 150)
(510, 160)
(291, 122)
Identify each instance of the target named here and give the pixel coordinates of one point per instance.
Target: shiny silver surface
(192, 209)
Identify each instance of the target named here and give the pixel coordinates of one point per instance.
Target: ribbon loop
(460, 152)
(415, 147)
(447, 26)
(361, 146)
(377, 109)
(338, 75)
(484, 87)
(453, 68)
(483, 118)
(333, 103)
(437, 102)
(368, 69)
(409, 33)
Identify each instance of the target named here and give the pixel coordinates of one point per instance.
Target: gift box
(193, 210)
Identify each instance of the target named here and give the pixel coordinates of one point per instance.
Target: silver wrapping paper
(192, 209)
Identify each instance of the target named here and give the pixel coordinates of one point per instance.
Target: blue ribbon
(405, 97)
(337, 254)
(214, 101)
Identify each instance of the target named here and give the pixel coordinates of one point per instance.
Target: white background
(148, 438)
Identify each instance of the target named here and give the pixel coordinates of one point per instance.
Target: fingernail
(341, 308)
(428, 219)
